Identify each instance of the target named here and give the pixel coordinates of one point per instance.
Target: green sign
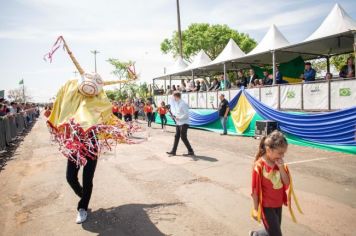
(344, 92)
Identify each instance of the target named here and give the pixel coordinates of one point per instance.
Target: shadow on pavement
(130, 220)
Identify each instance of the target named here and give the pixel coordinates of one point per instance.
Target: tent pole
(165, 86)
(274, 67)
(193, 75)
(170, 82)
(224, 76)
(328, 64)
(153, 87)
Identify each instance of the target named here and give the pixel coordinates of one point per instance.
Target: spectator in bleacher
(168, 90)
(223, 112)
(348, 70)
(266, 78)
(178, 88)
(197, 87)
(309, 73)
(174, 88)
(215, 85)
(191, 85)
(241, 79)
(224, 84)
(183, 86)
(251, 78)
(203, 86)
(328, 76)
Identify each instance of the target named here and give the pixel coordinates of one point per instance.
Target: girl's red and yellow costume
(271, 192)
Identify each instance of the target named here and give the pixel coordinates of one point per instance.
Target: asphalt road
(138, 190)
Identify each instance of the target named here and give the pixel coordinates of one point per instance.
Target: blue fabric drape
(336, 128)
(200, 119)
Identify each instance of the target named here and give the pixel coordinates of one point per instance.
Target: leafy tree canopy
(211, 38)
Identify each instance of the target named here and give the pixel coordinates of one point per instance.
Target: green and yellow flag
(21, 81)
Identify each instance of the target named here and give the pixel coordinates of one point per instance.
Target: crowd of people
(8, 108)
(249, 79)
(132, 109)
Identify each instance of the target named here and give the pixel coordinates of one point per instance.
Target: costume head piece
(90, 84)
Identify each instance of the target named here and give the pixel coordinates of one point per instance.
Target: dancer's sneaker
(82, 216)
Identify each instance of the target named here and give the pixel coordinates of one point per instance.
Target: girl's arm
(255, 201)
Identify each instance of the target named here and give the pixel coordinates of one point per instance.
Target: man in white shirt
(180, 111)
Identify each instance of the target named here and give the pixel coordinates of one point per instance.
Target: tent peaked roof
(273, 39)
(201, 59)
(178, 65)
(338, 21)
(231, 51)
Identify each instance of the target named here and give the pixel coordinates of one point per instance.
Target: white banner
(254, 92)
(315, 96)
(269, 96)
(343, 94)
(226, 93)
(202, 100)
(193, 100)
(233, 93)
(291, 96)
(185, 98)
(212, 100)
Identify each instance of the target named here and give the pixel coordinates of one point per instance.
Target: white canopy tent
(336, 35)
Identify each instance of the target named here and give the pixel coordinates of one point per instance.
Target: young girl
(270, 182)
(162, 110)
(148, 109)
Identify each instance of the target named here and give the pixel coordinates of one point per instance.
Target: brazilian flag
(290, 70)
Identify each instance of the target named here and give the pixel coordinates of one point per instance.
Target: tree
(123, 69)
(335, 61)
(211, 38)
(17, 95)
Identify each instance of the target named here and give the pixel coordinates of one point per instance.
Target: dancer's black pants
(149, 118)
(163, 120)
(128, 117)
(88, 174)
(181, 133)
(273, 220)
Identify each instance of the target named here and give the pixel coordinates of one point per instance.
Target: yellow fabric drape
(292, 80)
(242, 114)
(87, 111)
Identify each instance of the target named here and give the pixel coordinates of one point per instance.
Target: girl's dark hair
(163, 103)
(274, 140)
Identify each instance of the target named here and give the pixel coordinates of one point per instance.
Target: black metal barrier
(13, 125)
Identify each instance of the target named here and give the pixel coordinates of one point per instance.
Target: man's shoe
(82, 216)
(189, 154)
(171, 153)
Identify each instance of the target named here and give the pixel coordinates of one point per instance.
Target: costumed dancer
(83, 124)
(272, 185)
(162, 111)
(128, 111)
(115, 109)
(148, 109)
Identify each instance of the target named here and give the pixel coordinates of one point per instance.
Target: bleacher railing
(13, 125)
(320, 95)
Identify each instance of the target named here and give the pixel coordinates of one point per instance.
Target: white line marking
(310, 160)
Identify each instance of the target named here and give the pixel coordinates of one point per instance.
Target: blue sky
(129, 30)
